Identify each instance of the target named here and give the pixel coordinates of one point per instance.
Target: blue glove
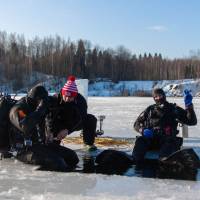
(148, 133)
(187, 98)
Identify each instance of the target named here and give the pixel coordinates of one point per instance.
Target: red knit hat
(70, 88)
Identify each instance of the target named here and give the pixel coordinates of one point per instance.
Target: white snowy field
(121, 112)
(19, 181)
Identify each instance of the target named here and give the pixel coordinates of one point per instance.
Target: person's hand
(62, 134)
(148, 133)
(187, 98)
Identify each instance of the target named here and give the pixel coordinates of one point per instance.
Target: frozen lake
(24, 182)
(121, 112)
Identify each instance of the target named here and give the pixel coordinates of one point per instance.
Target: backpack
(6, 102)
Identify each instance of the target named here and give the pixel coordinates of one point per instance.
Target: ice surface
(19, 181)
(121, 112)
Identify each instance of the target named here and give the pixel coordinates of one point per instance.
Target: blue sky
(169, 27)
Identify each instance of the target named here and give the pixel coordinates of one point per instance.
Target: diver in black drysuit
(27, 138)
(158, 123)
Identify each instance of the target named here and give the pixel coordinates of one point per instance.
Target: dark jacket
(28, 121)
(164, 119)
(65, 115)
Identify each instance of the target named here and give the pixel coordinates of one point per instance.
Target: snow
(19, 181)
(111, 89)
(104, 87)
(171, 87)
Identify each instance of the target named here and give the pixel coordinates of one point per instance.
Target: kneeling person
(68, 113)
(27, 117)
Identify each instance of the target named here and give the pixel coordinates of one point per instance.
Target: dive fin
(185, 157)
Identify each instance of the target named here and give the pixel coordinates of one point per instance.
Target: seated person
(158, 123)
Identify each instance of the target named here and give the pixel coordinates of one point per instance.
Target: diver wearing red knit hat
(68, 113)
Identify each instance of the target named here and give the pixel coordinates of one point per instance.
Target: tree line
(56, 56)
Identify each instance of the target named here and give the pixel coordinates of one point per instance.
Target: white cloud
(158, 28)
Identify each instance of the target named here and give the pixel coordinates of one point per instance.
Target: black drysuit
(163, 121)
(28, 120)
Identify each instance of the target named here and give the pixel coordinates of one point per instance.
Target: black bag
(6, 102)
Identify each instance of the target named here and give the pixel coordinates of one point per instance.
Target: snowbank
(132, 88)
(105, 87)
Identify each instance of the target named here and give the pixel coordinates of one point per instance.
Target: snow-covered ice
(171, 87)
(19, 181)
(121, 112)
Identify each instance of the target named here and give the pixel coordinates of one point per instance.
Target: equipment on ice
(183, 130)
(6, 102)
(100, 130)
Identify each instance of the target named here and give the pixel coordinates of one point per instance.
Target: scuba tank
(183, 130)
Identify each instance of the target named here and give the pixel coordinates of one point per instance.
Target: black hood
(38, 93)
